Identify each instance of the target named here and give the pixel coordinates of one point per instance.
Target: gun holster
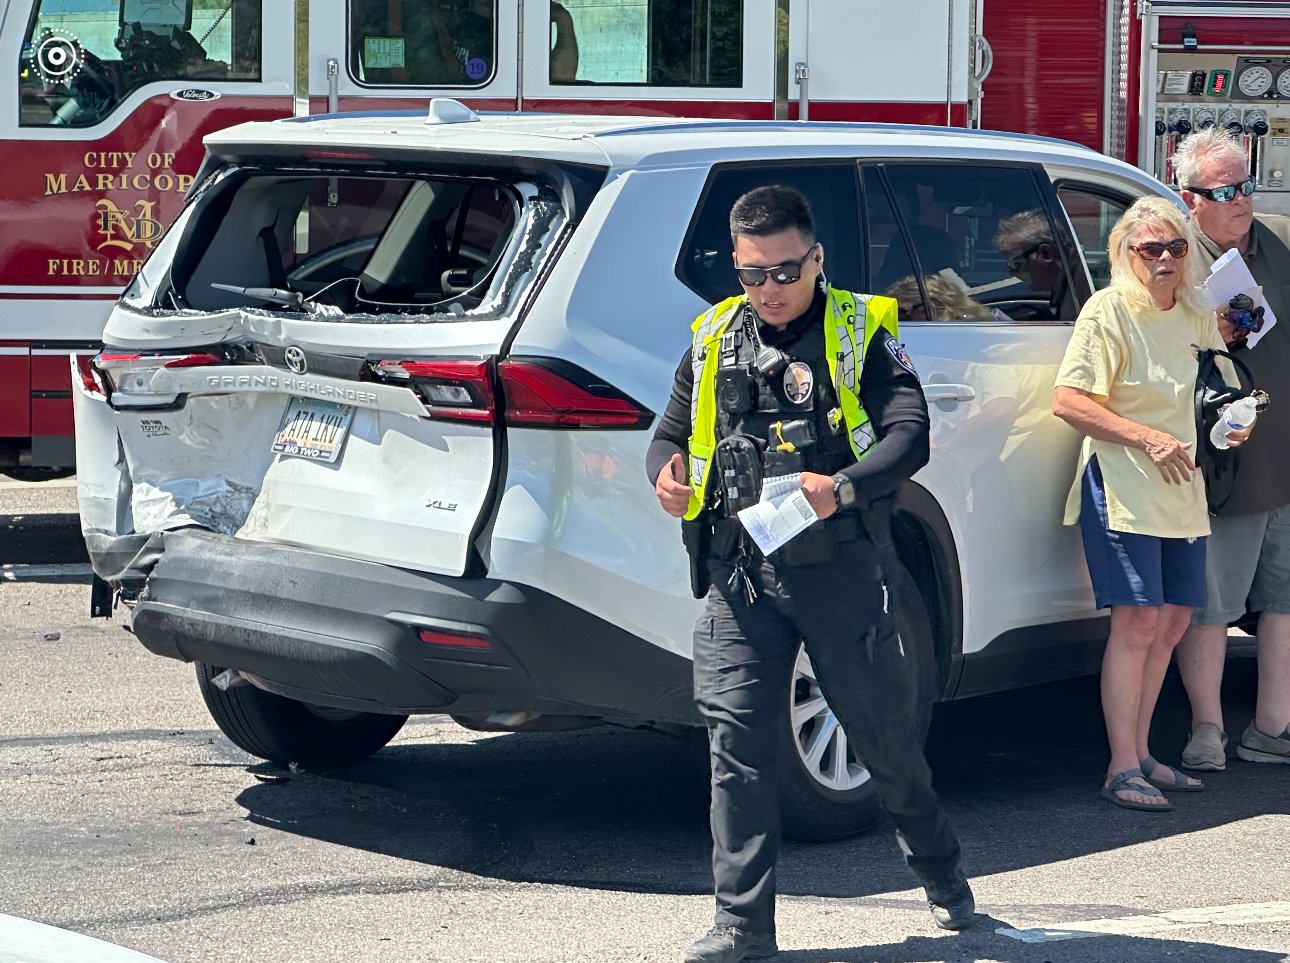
(696, 534)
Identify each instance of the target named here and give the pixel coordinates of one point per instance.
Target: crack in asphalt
(283, 896)
(91, 738)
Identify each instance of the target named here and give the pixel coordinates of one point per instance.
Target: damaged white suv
(366, 436)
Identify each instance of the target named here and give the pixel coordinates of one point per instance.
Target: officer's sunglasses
(1225, 193)
(788, 273)
(1154, 250)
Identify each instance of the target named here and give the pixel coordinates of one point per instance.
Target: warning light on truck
(1218, 83)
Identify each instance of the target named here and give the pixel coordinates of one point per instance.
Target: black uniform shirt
(889, 392)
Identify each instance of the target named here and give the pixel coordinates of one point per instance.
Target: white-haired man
(1249, 550)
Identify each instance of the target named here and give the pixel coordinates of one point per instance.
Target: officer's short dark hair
(769, 210)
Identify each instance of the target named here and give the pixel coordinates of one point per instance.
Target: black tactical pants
(743, 659)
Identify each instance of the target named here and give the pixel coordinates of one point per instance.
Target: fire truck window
(82, 58)
(1092, 214)
(652, 43)
(984, 246)
(440, 43)
(705, 265)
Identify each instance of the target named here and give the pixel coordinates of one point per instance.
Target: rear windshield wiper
(293, 299)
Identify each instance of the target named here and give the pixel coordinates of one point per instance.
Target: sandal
(1120, 783)
(1180, 781)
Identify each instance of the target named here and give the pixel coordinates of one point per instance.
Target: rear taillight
(200, 360)
(130, 378)
(451, 390)
(89, 378)
(542, 393)
(535, 393)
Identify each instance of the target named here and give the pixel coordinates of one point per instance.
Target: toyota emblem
(295, 358)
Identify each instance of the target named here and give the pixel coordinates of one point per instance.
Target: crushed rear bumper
(343, 632)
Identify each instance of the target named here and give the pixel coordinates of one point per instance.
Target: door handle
(948, 393)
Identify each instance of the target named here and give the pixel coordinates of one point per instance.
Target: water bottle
(1236, 416)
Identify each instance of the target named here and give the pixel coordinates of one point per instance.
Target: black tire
(24, 473)
(284, 731)
(814, 812)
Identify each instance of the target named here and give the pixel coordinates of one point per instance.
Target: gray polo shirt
(1263, 478)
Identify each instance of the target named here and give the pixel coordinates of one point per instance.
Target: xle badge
(798, 382)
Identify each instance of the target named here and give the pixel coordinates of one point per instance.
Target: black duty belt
(813, 545)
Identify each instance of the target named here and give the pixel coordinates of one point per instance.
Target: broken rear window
(362, 246)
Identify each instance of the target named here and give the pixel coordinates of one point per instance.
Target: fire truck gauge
(1254, 81)
(1283, 83)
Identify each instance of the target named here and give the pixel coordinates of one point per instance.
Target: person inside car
(1032, 254)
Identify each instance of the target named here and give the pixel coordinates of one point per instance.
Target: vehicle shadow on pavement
(981, 942)
(623, 810)
(41, 538)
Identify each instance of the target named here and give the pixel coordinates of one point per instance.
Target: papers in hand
(782, 514)
(1230, 277)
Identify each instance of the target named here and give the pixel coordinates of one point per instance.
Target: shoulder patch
(901, 355)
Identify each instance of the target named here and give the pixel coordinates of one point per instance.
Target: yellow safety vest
(845, 363)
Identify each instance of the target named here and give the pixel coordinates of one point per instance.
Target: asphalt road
(126, 815)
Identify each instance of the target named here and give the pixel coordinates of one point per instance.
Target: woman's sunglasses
(1154, 250)
(1225, 193)
(789, 273)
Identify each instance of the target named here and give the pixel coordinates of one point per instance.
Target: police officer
(796, 377)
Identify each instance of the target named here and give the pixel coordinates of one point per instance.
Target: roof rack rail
(684, 124)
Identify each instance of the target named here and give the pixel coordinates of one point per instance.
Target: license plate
(313, 429)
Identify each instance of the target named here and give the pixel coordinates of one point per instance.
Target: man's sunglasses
(1014, 263)
(789, 273)
(1225, 193)
(1154, 250)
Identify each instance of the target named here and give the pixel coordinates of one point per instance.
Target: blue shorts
(1131, 569)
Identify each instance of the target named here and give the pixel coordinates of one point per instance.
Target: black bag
(1217, 466)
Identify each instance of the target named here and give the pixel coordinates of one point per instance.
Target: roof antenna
(445, 110)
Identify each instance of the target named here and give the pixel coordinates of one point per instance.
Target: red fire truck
(113, 97)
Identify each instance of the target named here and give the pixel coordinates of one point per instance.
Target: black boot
(949, 896)
(729, 944)
(951, 903)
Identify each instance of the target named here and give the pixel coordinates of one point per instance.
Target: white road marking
(1237, 914)
(21, 573)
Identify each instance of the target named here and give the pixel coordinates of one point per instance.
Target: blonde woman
(1126, 383)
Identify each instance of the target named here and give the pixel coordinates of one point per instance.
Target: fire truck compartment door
(872, 64)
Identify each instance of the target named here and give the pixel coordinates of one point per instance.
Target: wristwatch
(844, 491)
